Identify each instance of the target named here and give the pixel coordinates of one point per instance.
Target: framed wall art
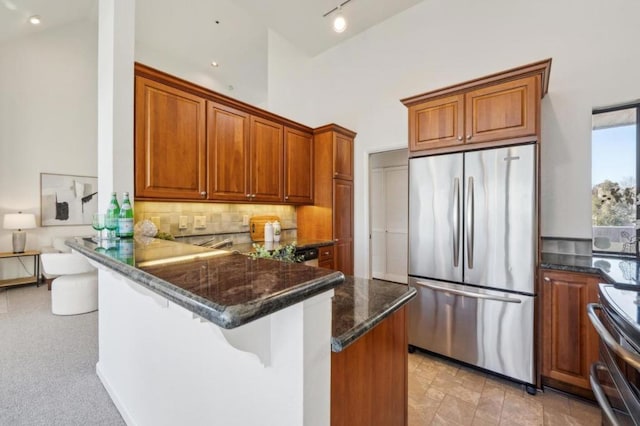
(67, 199)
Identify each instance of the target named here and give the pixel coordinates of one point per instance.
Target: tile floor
(444, 393)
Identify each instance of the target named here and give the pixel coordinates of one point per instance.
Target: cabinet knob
(286, 197)
(547, 279)
(469, 137)
(248, 195)
(326, 253)
(203, 194)
(459, 138)
(253, 195)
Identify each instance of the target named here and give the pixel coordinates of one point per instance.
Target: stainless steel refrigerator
(472, 255)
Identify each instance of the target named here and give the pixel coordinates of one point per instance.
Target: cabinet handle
(459, 138)
(203, 194)
(547, 279)
(326, 253)
(469, 137)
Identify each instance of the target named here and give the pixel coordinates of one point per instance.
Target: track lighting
(339, 21)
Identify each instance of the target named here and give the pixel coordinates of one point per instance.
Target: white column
(116, 44)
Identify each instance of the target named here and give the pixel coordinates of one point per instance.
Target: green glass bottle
(125, 219)
(113, 213)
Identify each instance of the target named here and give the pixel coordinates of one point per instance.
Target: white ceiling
(187, 32)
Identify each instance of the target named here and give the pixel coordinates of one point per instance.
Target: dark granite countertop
(619, 270)
(360, 304)
(225, 288)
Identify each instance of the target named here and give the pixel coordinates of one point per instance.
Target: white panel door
(397, 204)
(378, 211)
(389, 223)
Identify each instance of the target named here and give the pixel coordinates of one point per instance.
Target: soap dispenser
(268, 232)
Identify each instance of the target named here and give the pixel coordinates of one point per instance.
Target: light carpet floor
(48, 364)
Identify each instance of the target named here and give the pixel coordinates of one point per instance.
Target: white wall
(47, 119)
(437, 43)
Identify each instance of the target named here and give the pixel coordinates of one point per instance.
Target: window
(615, 145)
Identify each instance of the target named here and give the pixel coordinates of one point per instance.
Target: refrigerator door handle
(467, 293)
(470, 218)
(456, 222)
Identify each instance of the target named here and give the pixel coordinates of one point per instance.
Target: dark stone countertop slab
(618, 270)
(225, 288)
(360, 304)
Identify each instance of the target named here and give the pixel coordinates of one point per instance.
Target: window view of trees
(614, 181)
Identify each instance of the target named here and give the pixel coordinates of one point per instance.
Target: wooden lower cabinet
(369, 377)
(326, 257)
(569, 341)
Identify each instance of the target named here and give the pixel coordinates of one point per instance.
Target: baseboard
(114, 397)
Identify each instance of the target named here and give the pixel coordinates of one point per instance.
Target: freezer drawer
(489, 329)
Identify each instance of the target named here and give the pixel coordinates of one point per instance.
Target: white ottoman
(75, 291)
(74, 294)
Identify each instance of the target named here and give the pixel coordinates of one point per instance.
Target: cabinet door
(343, 225)
(342, 157)
(169, 142)
(298, 167)
(227, 153)
(502, 111)
(436, 124)
(570, 343)
(266, 160)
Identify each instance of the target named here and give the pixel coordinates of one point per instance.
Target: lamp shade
(19, 221)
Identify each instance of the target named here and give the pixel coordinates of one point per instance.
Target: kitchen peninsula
(189, 335)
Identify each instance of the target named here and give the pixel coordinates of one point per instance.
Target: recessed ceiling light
(214, 64)
(34, 20)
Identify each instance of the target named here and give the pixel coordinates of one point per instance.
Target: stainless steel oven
(615, 379)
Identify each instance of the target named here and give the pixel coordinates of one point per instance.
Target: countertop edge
(339, 343)
(227, 317)
(578, 269)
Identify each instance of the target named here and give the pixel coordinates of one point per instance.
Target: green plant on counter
(164, 236)
(285, 253)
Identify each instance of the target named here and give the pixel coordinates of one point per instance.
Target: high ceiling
(188, 33)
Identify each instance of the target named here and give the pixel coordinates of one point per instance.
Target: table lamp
(18, 222)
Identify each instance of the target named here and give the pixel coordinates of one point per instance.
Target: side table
(35, 278)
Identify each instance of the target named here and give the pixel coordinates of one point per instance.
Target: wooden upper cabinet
(502, 111)
(569, 341)
(496, 110)
(437, 123)
(227, 153)
(195, 144)
(342, 156)
(169, 142)
(298, 166)
(266, 160)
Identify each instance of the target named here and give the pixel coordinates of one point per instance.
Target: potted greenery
(284, 253)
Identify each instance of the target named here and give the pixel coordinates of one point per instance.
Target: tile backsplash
(218, 218)
(560, 245)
